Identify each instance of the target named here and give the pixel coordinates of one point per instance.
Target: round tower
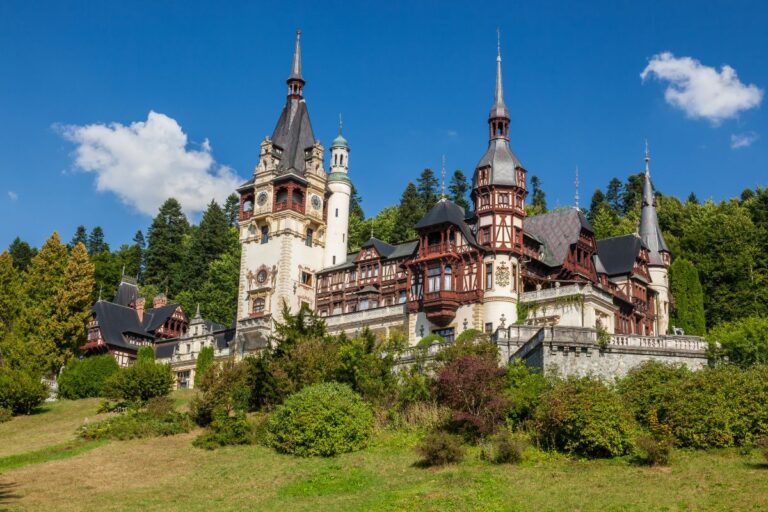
(340, 189)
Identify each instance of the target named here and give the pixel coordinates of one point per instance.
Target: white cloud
(12, 195)
(743, 140)
(148, 161)
(701, 91)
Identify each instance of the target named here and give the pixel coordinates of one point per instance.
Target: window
(416, 287)
(488, 276)
(485, 235)
(306, 278)
(402, 298)
(447, 334)
(352, 308)
(258, 306)
(352, 276)
(282, 195)
(337, 212)
(336, 308)
(363, 304)
(308, 240)
(484, 202)
(182, 379)
(504, 199)
(448, 276)
(297, 197)
(334, 260)
(264, 234)
(489, 328)
(433, 279)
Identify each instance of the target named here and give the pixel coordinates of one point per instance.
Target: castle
(541, 286)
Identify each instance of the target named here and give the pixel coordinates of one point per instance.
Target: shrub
(429, 339)
(743, 342)
(413, 386)
(584, 416)
(136, 424)
(647, 388)
(204, 361)
(424, 416)
(524, 387)
(5, 415)
(653, 451)
(86, 378)
(507, 448)
(145, 354)
(226, 431)
(762, 444)
(140, 382)
(440, 448)
(471, 387)
(223, 391)
(720, 407)
(474, 344)
(20, 392)
(366, 365)
(323, 419)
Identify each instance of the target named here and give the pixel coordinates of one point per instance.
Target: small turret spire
(649, 231)
(341, 123)
(442, 176)
(576, 183)
(647, 159)
(498, 119)
(295, 80)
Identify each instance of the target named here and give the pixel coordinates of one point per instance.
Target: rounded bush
(323, 419)
(440, 448)
(20, 392)
(584, 416)
(141, 382)
(85, 378)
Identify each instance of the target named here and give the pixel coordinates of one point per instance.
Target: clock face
(316, 202)
(261, 276)
(261, 199)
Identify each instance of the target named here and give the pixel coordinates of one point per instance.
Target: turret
(340, 190)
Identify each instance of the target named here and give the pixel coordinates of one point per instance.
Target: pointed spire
(296, 67)
(499, 97)
(341, 123)
(197, 312)
(498, 119)
(576, 182)
(649, 229)
(442, 175)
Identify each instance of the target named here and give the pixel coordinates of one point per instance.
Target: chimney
(140, 308)
(159, 301)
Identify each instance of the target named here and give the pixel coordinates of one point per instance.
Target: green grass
(169, 474)
(55, 452)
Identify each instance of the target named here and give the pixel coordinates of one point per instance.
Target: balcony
(444, 248)
(440, 307)
(285, 205)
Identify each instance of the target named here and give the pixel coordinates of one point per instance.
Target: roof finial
(296, 67)
(577, 187)
(341, 123)
(442, 175)
(647, 158)
(499, 85)
(197, 313)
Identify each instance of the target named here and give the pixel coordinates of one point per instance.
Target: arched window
(341, 159)
(448, 278)
(258, 306)
(298, 197)
(433, 279)
(282, 195)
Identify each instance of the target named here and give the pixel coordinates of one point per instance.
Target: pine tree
(688, 295)
(538, 199)
(96, 243)
(409, 212)
(10, 294)
(598, 201)
(209, 241)
(204, 361)
(613, 195)
(695, 200)
(165, 247)
(427, 186)
(138, 250)
(459, 188)
(73, 305)
(232, 209)
(633, 193)
(355, 210)
(80, 236)
(21, 253)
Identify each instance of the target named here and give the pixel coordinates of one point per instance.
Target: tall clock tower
(282, 220)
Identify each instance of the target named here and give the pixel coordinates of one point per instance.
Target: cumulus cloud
(12, 195)
(701, 91)
(149, 161)
(743, 140)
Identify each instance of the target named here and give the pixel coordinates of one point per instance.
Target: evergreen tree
(204, 361)
(459, 187)
(138, 253)
(73, 306)
(688, 295)
(80, 237)
(538, 201)
(613, 195)
(355, 210)
(165, 247)
(21, 253)
(692, 198)
(427, 186)
(632, 194)
(209, 241)
(409, 212)
(96, 243)
(232, 209)
(10, 294)
(598, 201)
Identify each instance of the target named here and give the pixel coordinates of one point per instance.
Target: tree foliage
(685, 287)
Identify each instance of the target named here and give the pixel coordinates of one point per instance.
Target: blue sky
(414, 81)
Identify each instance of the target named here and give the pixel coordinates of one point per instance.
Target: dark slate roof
(247, 184)
(350, 263)
(116, 320)
(618, 254)
(447, 212)
(650, 232)
(558, 230)
(223, 338)
(293, 135)
(404, 249)
(383, 248)
(154, 318)
(502, 161)
(165, 350)
(127, 292)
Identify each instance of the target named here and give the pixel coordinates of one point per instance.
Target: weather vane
(442, 174)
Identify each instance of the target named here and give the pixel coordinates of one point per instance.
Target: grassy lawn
(169, 474)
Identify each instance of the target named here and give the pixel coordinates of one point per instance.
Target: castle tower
(340, 189)
(498, 194)
(658, 252)
(282, 221)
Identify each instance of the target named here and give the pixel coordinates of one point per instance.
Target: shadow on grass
(7, 494)
(49, 453)
(757, 465)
